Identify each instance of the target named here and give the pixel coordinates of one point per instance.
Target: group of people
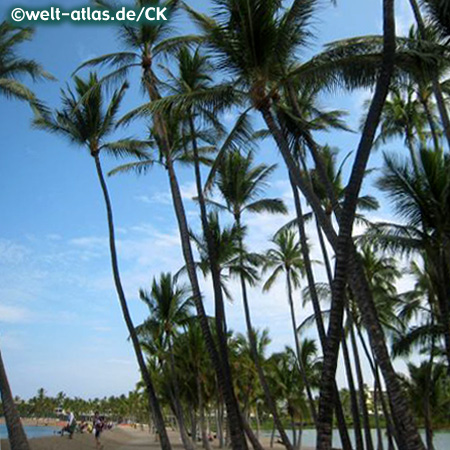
(96, 427)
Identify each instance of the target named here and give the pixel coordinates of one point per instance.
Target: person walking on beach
(98, 424)
(71, 424)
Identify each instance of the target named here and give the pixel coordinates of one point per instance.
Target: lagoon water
(31, 431)
(441, 438)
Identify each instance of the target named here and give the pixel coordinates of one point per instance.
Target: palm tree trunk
(221, 365)
(219, 360)
(427, 405)
(188, 444)
(353, 399)
(254, 353)
(201, 408)
(258, 423)
(272, 435)
(16, 434)
(152, 399)
(346, 220)
(391, 431)
(251, 435)
(404, 419)
(312, 406)
(427, 423)
(236, 425)
(437, 90)
(434, 133)
(343, 431)
(361, 392)
(380, 445)
(219, 422)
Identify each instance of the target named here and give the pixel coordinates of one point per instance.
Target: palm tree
(147, 42)
(260, 70)
(403, 117)
(438, 10)
(179, 153)
(240, 184)
(169, 307)
(421, 199)
(85, 121)
(13, 67)
(289, 384)
(196, 369)
(425, 388)
(17, 438)
(286, 258)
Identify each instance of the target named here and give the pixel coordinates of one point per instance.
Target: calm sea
(441, 438)
(32, 432)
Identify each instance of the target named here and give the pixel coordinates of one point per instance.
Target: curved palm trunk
(437, 90)
(312, 406)
(254, 353)
(353, 399)
(391, 431)
(404, 419)
(219, 359)
(361, 392)
(219, 301)
(152, 399)
(220, 363)
(342, 425)
(344, 242)
(16, 434)
(251, 435)
(349, 262)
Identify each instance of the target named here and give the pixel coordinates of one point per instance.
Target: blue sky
(60, 322)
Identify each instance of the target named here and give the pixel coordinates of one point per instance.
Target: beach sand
(117, 439)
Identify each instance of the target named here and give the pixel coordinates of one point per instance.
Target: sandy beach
(117, 439)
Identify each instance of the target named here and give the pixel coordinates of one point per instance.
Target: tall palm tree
(240, 183)
(145, 43)
(12, 69)
(286, 257)
(178, 152)
(169, 306)
(260, 70)
(86, 121)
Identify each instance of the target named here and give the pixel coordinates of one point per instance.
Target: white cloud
(14, 314)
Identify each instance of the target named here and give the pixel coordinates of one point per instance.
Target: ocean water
(441, 439)
(31, 431)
